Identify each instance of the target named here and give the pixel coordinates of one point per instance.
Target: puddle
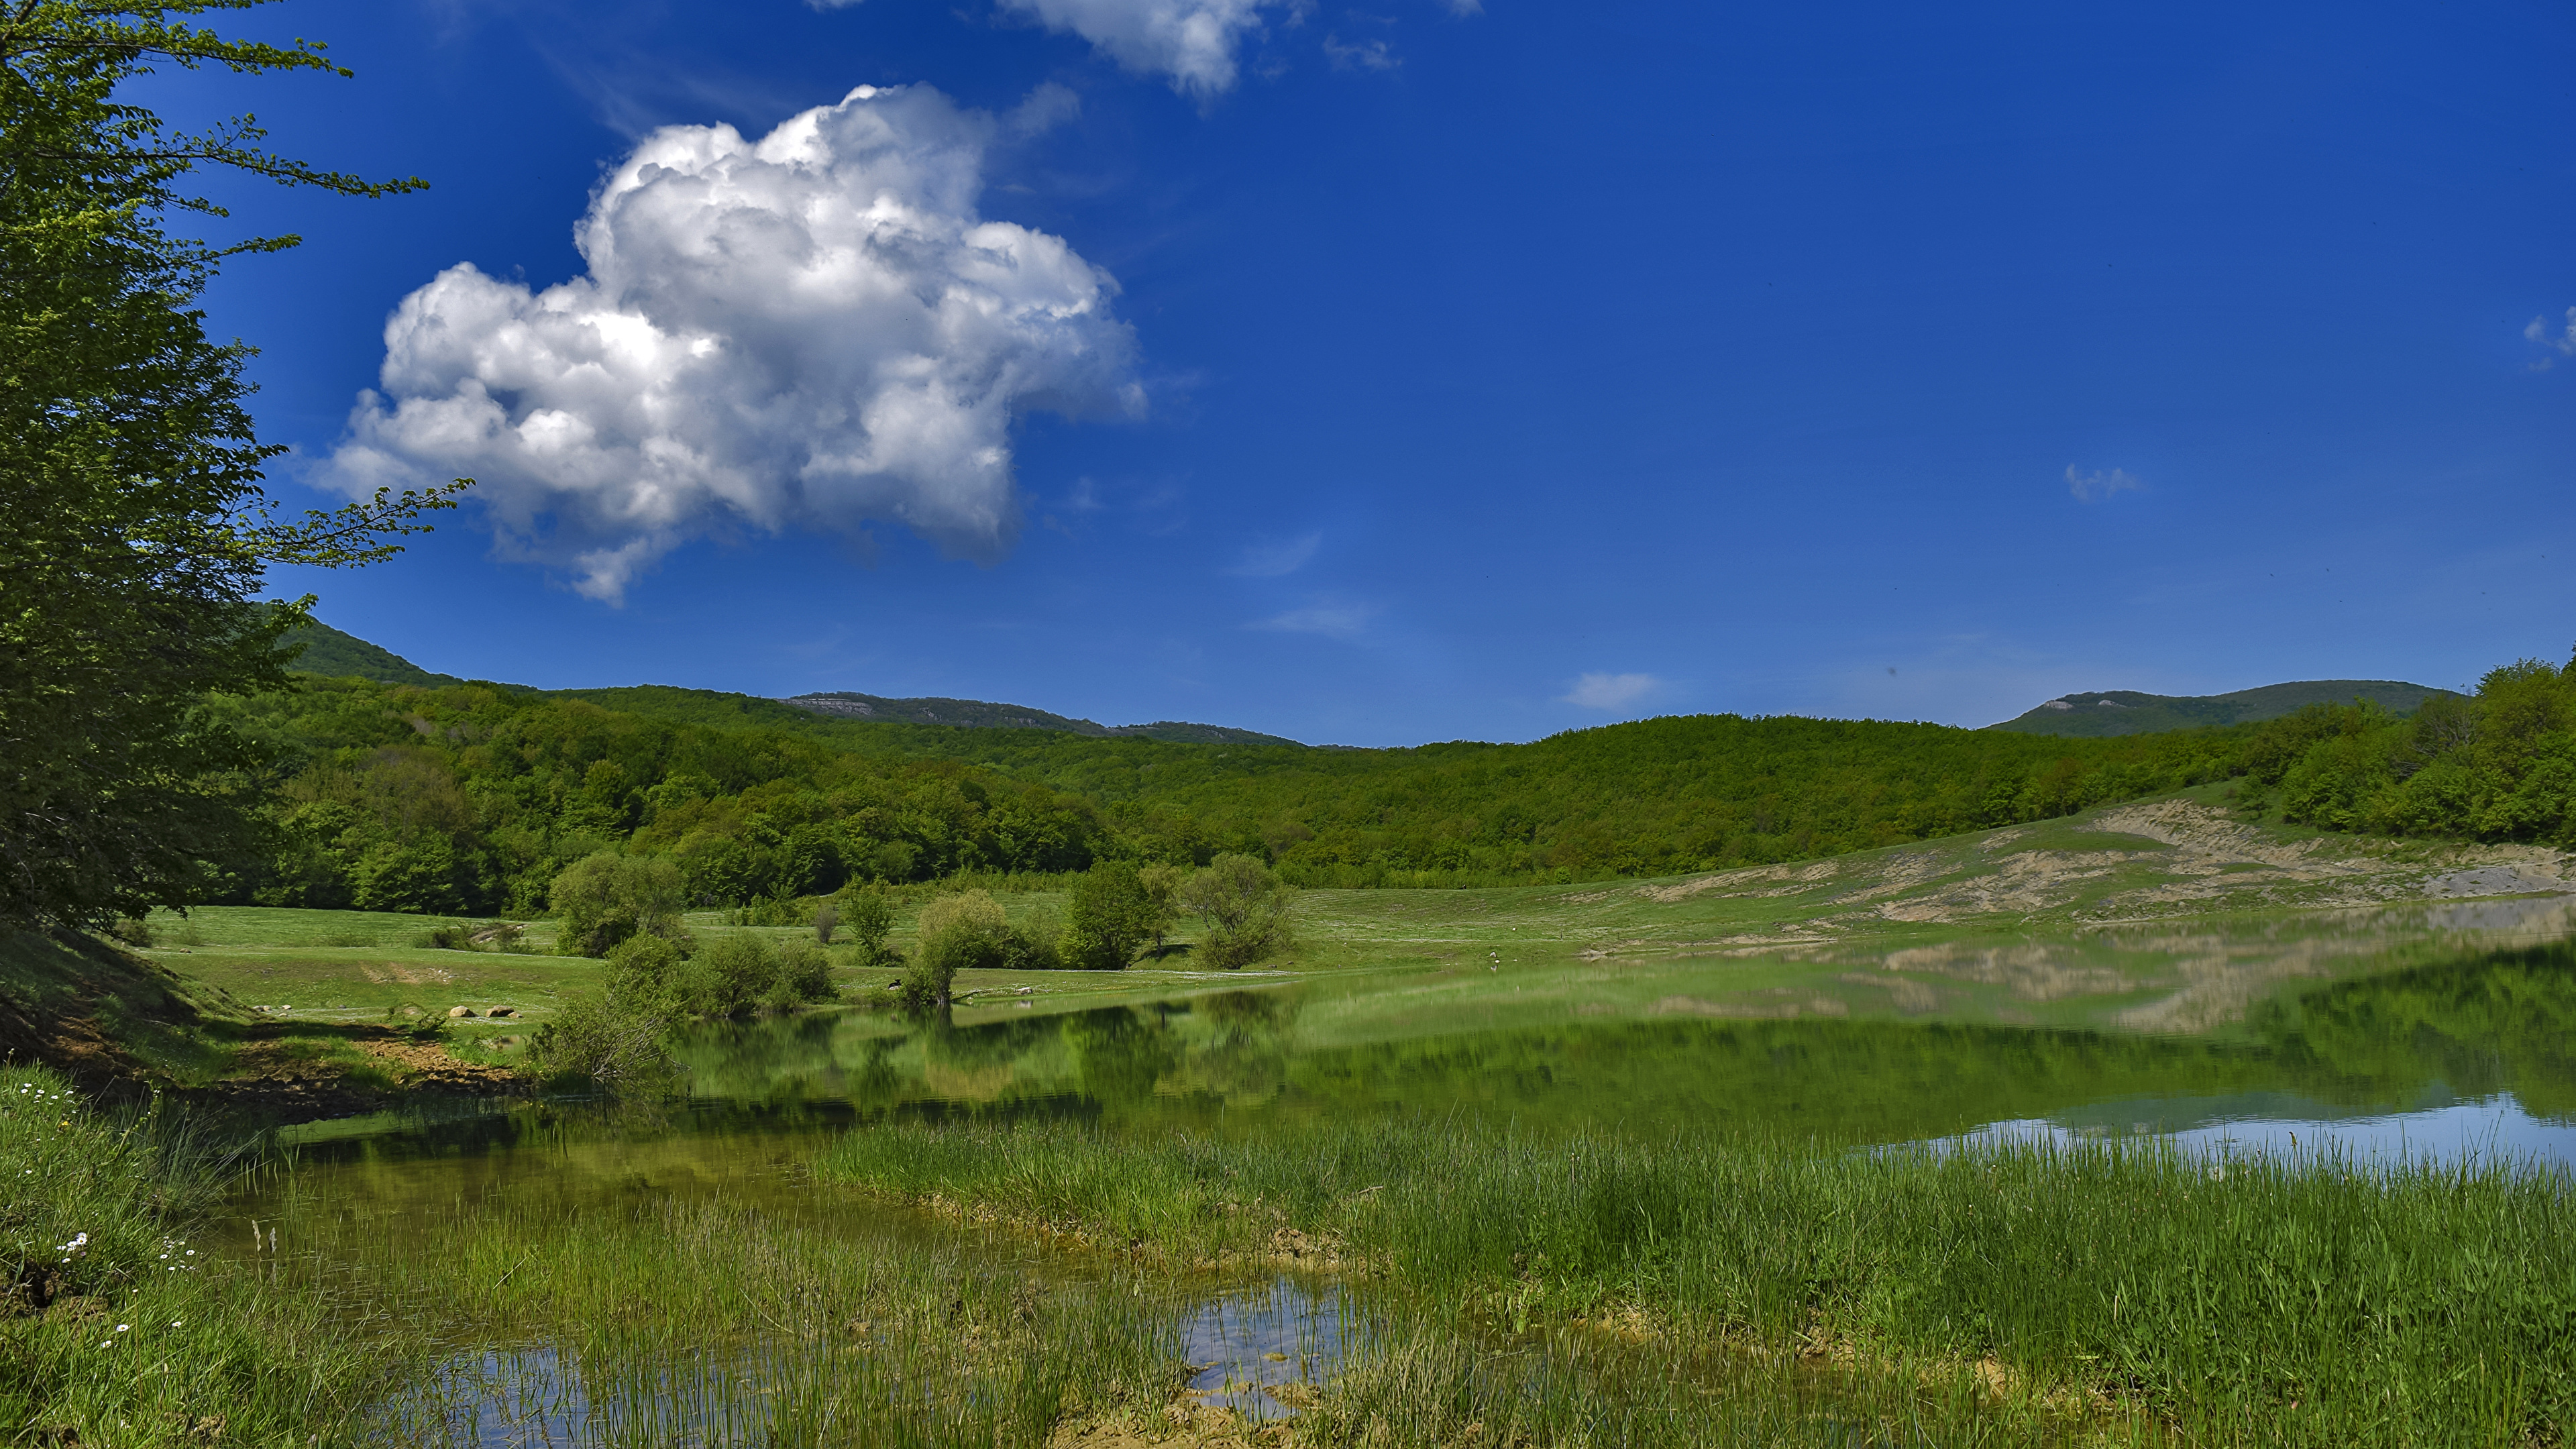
(1264, 1352)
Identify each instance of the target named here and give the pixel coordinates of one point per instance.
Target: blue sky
(1431, 370)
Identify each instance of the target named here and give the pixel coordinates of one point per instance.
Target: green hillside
(2096, 714)
(320, 649)
(468, 799)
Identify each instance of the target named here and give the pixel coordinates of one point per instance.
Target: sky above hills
(1433, 369)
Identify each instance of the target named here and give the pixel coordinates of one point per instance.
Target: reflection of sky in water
(2493, 1128)
(500, 1400)
(1240, 1347)
(1243, 1345)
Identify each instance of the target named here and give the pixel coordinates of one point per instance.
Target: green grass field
(2124, 898)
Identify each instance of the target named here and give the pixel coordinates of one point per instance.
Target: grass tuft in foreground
(118, 1328)
(2317, 1301)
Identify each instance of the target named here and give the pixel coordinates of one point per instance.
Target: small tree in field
(1162, 885)
(1109, 918)
(869, 914)
(1245, 908)
(609, 897)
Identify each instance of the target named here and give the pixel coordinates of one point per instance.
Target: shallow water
(1246, 1349)
(2438, 1030)
(2446, 1032)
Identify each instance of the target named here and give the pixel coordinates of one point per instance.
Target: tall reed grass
(2308, 1301)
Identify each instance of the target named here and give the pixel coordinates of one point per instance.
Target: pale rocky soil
(2190, 859)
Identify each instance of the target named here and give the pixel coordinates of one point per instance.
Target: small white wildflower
(2218, 1173)
(123, 1326)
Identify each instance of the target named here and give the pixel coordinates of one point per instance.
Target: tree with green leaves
(607, 899)
(134, 530)
(1245, 907)
(1109, 916)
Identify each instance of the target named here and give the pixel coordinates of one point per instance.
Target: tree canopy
(134, 531)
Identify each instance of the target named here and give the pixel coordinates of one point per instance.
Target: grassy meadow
(1548, 1270)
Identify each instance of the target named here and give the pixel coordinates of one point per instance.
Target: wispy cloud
(1333, 621)
(2094, 487)
(1277, 560)
(1360, 55)
(2564, 344)
(1610, 691)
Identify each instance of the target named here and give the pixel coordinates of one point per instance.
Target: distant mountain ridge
(2094, 714)
(334, 654)
(981, 715)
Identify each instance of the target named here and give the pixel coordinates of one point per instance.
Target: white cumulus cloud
(2094, 487)
(2564, 343)
(814, 328)
(1610, 691)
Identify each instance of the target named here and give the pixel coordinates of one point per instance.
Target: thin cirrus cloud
(1610, 691)
(814, 328)
(2564, 344)
(1195, 44)
(1333, 621)
(1360, 55)
(2095, 487)
(1277, 560)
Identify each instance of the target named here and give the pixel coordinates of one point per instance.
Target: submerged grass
(2311, 1301)
(701, 1322)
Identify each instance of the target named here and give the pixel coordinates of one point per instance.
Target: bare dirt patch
(1742, 882)
(408, 975)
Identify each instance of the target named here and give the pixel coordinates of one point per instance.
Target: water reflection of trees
(1242, 1054)
(2503, 1021)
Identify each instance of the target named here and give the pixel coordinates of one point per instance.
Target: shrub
(827, 919)
(613, 1042)
(1246, 910)
(804, 975)
(965, 930)
(607, 898)
(1110, 917)
(643, 973)
(133, 932)
(957, 932)
(726, 976)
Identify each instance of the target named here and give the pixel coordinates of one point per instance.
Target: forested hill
(2102, 713)
(472, 797)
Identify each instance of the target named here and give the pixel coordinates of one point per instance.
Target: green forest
(470, 798)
